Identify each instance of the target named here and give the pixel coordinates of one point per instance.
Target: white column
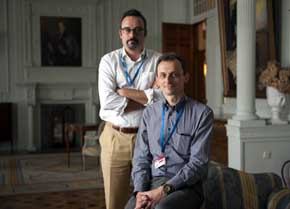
(214, 80)
(245, 123)
(31, 101)
(246, 60)
(285, 31)
(285, 40)
(30, 145)
(91, 105)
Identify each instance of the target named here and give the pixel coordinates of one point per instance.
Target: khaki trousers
(116, 159)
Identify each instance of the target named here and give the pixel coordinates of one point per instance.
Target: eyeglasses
(137, 30)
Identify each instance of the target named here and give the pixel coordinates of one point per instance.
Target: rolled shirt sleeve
(112, 104)
(153, 95)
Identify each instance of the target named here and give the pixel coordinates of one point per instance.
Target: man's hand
(132, 106)
(142, 201)
(154, 197)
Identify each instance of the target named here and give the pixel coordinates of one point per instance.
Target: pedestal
(255, 146)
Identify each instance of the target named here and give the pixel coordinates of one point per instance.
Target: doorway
(189, 42)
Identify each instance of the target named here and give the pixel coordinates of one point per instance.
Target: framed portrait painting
(265, 46)
(61, 41)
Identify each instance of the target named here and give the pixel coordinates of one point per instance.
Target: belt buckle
(118, 128)
(121, 129)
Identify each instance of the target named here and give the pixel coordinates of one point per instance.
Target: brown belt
(125, 130)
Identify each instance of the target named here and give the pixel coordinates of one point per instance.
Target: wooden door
(183, 39)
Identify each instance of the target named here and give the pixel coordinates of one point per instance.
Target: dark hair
(171, 57)
(135, 13)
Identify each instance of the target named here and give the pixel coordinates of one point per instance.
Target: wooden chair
(91, 146)
(285, 173)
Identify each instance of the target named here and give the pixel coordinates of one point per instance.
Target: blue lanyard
(162, 134)
(129, 80)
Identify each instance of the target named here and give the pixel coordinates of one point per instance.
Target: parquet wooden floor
(81, 199)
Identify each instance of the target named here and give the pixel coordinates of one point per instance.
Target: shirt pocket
(182, 142)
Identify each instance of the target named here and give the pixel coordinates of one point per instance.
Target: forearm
(133, 94)
(133, 106)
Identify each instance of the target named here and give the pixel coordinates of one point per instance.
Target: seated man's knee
(131, 203)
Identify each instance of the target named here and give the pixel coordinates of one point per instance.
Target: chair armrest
(89, 139)
(279, 199)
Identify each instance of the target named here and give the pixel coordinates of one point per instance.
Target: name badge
(160, 161)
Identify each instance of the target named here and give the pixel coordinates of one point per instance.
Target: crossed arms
(136, 98)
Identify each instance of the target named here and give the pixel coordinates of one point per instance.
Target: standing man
(126, 77)
(172, 147)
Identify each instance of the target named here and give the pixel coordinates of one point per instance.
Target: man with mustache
(126, 77)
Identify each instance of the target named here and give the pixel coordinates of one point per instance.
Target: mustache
(133, 39)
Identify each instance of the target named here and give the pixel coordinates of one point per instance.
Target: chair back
(232, 189)
(285, 173)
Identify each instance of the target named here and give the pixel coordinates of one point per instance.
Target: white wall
(176, 11)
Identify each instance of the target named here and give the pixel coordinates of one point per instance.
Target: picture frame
(265, 44)
(61, 41)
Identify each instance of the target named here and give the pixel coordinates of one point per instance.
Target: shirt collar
(177, 107)
(124, 55)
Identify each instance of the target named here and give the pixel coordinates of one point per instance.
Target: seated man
(172, 148)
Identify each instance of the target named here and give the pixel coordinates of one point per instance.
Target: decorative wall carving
(4, 78)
